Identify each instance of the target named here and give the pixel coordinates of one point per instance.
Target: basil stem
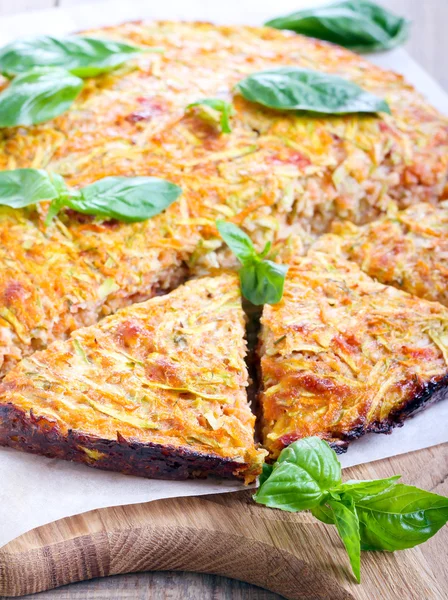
(209, 107)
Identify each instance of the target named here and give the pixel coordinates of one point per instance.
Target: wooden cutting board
(228, 534)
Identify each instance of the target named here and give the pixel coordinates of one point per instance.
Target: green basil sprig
(359, 25)
(292, 88)
(261, 280)
(37, 96)
(82, 56)
(369, 515)
(210, 107)
(47, 73)
(127, 199)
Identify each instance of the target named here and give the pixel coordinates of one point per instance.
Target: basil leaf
(265, 473)
(22, 187)
(359, 25)
(301, 477)
(128, 199)
(38, 96)
(225, 110)
(238, 241)
(369, 515)
(323, 513)
(317, 457)
(346, 521)
(400, 517)
(291, 88)
(262, 281)
(361, 489)
(82, 56)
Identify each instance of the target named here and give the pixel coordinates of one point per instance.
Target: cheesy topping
(342, 354)
(407, 249)
(275, 174)
(169, 371)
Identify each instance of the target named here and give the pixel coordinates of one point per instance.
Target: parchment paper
(36, 490)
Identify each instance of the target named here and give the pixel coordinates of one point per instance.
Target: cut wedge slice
(157, 390)
(407, 249)
(342, 355)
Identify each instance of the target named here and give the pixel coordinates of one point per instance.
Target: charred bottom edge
(39, 435)
(430, 393)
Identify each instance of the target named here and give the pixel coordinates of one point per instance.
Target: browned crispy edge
(429, 393)
(38, 435)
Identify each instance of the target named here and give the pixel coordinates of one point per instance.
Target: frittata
(342, 355)
(275, 172)
(157, 390)
(407, 249)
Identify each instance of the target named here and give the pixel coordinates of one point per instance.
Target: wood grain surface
(418, 574)
(228, 535)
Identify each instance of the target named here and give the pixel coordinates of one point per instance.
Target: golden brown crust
(38, 435)
(52, 281)
(165, 377)
(274, 172)
(407, 249)
(342, 355)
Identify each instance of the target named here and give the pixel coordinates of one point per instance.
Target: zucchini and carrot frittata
(157, 390)
(407, 249)
(274, 172)
(342, 354)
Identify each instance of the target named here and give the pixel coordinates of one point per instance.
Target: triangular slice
(342, 355)
(157, 390)
(407, 249)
